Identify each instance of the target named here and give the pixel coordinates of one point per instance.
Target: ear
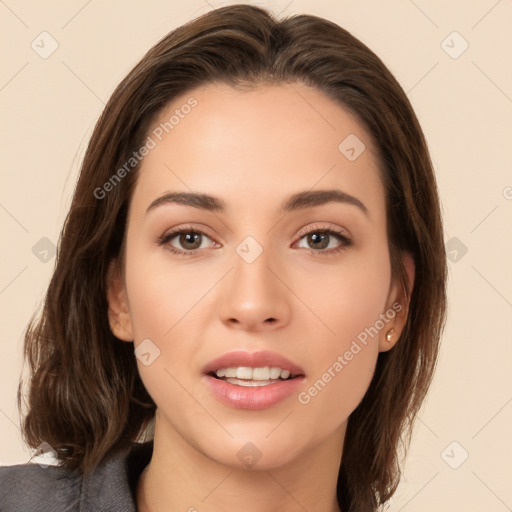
(398, 306)
(118, 313)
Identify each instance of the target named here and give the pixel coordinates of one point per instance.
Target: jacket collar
(111, 487)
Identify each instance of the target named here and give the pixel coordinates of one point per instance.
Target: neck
(182, 477)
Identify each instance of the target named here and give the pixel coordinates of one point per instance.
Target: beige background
(49, 108)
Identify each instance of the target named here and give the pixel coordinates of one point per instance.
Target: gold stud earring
(389, 334)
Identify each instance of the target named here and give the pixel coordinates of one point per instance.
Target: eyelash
(345, 241)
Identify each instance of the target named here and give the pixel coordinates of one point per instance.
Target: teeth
(248, 373)
(275, 373)
(244, 372)
(250, 383)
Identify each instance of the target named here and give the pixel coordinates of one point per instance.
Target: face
(288, 256)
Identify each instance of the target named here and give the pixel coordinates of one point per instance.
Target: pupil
(190, 238)
(316, 237)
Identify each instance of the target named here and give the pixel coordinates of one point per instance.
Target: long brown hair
(85, 396)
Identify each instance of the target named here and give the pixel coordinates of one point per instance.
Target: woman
(253, 265)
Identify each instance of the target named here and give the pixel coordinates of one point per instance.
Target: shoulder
(109, 488)
(31, 487)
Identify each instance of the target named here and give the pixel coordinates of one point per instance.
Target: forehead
(259, 145)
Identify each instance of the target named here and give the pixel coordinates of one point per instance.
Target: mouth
(252, 380)
(253, 377)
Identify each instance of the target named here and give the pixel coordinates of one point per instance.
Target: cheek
(348, 295)
(166, 307)
(343, 361)
(162, 311)
(350, 300)
(333, 393)
(161, 295)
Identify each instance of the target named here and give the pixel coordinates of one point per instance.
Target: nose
(254, 297)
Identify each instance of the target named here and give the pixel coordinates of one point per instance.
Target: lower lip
(260, 397)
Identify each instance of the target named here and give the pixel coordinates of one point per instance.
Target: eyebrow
(298, 201)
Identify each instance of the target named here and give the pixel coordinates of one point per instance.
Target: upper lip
(253, 360)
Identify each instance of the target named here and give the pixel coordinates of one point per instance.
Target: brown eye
(318, 240)
(324, 241)
(186, 241)
(190, 240)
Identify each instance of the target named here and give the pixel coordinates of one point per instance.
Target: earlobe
(118, 313)
(398, 305)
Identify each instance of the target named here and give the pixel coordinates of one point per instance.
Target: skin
(254, 149)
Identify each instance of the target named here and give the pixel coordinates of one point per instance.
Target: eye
(186, 241)
(324, 241)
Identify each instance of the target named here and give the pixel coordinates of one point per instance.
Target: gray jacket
(110, 487)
